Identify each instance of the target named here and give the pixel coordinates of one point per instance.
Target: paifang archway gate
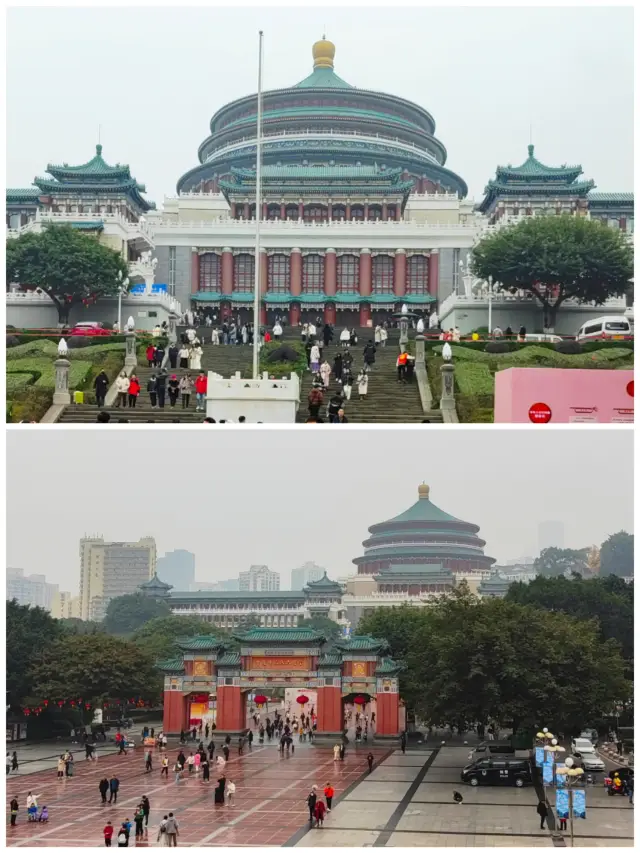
(211, 673)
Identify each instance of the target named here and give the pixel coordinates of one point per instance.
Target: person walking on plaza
(123, 836)
(101, 386)
(172, 830)
(178, 769)
(174, 389)
(183, 355)
(152, 390)
(186, 387)
(319, 812)
(148, 764)
(363, 384)
(329, 794)
(563, 824)
(163, 838)
(108, 833)
(161, 387)
(201, 391)
(14, 808)
(165, 767)
(336, 752)
(159, 355)
(403, 742)
(138, 819)
(204, 763)
(146, 808)
(172, 352)
(134, 390)
(312, 799)
(103, 787)
(32, 805)
(401, 365)
(230, 792)
(114, 787)
(370, 761)
(14, 762)
(218, 794)
(211, 749)
(369, 355)
(543, 811)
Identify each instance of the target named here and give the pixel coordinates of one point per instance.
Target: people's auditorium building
(360, 213)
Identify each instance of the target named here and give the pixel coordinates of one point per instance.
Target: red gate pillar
(231, 716)
(195, 270)
(365, 286)
(296, 285)
(227, 272)
(174, 717)
(400, 273)
(387, 710)
(330, 722)
(434, 273)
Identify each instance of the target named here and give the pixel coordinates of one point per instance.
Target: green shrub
(283, 368)
(18, 382)
(568, 347)
(44, 371)
(12, 341)
(474, 379)
(30, 404)
(34, 349)
(78, 342)
(499, 347)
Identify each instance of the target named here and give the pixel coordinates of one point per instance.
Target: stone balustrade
(334, 224)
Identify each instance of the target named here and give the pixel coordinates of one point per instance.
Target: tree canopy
(329, 628)
(94, 668)
(30, 632)
(556, 258)
(157, 636)
(473, 660)
(616, 555)
(69, 266)
(128, 612)
(609, 600)
(554, 562)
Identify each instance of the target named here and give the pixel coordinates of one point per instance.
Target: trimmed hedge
(44, 371)
(49, 349)
(538, 355)
(474, 379)
(18, 382)
(280, 369)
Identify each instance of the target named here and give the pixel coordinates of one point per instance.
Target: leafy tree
(69, 266)
(30, 631)
(472, 660)
(397, 625)
(128, 612)
(603, 599)
(557, 258)
(94, 668)
(616, 555)
(73, 625)
(556, 561)
(329, 628)
(157, 636)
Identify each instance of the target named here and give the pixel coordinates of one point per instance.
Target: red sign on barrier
(630, 388)
(540, 413)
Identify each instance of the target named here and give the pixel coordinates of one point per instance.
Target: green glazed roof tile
(155, 583)
(388, 666)
(23, 194)
(330, 659)
(226, 595)
(200, 643)
(229, 659)
(534, 168)
(361, 643)
(323, 78)
(610, 197)
(310, 172)
(280, 635)
(173, 666)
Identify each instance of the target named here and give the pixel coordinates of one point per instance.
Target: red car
(89, 329)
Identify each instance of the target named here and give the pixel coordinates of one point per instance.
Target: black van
(498, 770)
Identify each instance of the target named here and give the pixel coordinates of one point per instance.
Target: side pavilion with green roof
(210, 678)
(533, 188)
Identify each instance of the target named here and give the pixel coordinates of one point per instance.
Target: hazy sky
(153, 77)
(283, 497)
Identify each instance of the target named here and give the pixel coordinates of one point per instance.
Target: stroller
(43, 817)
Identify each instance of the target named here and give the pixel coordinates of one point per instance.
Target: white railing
(296, 224)
(29, 297)
(32, 297)
(131, 228)
(501, 297)
(220, 151)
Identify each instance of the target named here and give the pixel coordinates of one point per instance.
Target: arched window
(357, 212)
(292, 212)
(313, 274)
(418, 275)
(279, 277)
(209, 273)
(348, 274)
(316, 213)
(243, 274)
(382, 274)
(374, 212)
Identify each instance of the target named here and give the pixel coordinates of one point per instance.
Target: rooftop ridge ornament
(323, 52)
(423, 492)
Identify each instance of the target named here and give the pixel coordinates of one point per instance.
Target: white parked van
(614, 328)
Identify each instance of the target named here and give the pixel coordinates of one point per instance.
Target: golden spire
(323, 53)
(423, 492)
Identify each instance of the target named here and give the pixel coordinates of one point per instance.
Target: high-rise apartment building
(305, 574)
(111, 569)
(65, 606)
(30, 589)
(550, 535)
(259, 579)
(177, 568)
(222, 586)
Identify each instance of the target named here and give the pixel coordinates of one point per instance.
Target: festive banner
(560, 780)
(562, 803)
(579, 803)
(539, 756)
(547, 774)
(548, 757)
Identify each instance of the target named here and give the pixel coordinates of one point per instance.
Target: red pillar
(283, 211)
(296, 286)
(365, 285)
(233, 210)
(330, 314)
(195, 271)
(231, 710)
(246, 211)
(301, 211)
(400, 273)
(387, 712)
(227, 272)
(329, 710)
(264, 271)
(347, 214)
(623, 223)
(174, 716)
(330, 272)
(434, 273)
(265, 210)
(385, 212)
(294, 314)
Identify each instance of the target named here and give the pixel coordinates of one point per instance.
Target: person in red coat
(151, 355)
(320, 810)
(201, 391)
(134, 390)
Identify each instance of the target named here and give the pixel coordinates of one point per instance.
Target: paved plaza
(405, 802)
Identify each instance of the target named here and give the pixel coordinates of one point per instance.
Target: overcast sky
(153, 77)
(283, 497)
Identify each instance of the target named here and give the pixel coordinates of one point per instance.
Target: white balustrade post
(62, 395)
(447, 398)
(131, 357)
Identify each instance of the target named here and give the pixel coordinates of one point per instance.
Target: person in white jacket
(363, 383)
(383, 336)
(420, 326)
(314, 358)
(325, 373)
(122, 387)
(230, 791)
(195, 358)
(345, 337)
(277, 331)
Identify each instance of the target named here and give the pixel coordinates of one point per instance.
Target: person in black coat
(543, 811)
(311, 802)
(173, 355)
(159, 355)
(103, 787)
(327, 334)
(101, 384)
(370, 354)
(161, 387)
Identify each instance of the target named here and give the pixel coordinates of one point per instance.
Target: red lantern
(45, 702)
(360, 700)
(302, 700)
(261, 700)
(60, 704)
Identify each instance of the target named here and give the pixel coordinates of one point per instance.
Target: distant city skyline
(505, 481)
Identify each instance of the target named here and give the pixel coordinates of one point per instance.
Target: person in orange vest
(401, 365)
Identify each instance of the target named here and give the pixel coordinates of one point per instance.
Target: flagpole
(257, 264)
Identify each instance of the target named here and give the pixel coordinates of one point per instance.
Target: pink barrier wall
(551, 395)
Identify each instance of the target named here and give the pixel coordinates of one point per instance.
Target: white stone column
(447, 399)
(62, 395)
(131, 357)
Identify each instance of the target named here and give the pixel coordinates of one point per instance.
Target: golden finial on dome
(423, 492)
(323, 53)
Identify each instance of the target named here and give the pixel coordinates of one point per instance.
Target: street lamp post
(123, 288)
(572, 775)
(490, 303)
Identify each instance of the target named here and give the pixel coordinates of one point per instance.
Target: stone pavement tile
(604, 842)
(338, 838)
(448, 777)
(409, 760)
(385, 792)
(468, 818)
(348, 815)
(430, 793)
(393, 774)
